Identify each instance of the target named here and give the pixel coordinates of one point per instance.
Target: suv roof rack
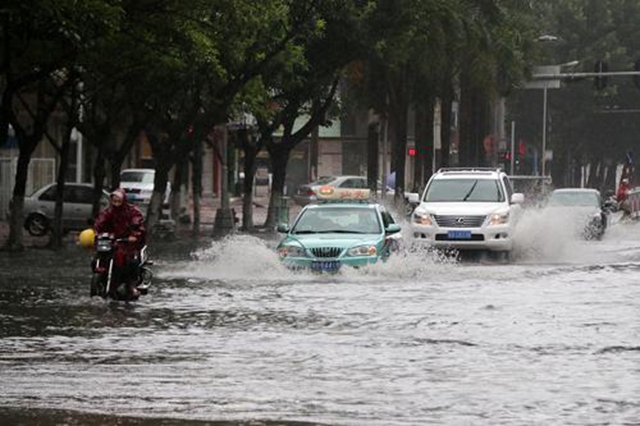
(469, 169)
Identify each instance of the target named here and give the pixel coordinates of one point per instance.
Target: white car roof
(584, 190)
(139, 170)
(468, 172)
(466, 175)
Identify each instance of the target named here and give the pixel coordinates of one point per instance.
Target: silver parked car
(333, 187)
(76, 211)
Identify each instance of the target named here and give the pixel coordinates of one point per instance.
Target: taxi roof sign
(327, 193)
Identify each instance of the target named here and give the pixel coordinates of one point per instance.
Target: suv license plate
(325, 265)
(459, 235)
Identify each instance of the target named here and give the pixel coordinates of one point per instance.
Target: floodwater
(228, 336)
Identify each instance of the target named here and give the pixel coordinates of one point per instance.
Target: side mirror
(283, 228)
(517, 198)
(393, 228)
(413, 198)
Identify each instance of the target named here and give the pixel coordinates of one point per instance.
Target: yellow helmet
(87, 238)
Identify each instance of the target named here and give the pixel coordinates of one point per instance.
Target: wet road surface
(227, 335)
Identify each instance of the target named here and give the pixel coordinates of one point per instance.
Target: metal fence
(42, 171)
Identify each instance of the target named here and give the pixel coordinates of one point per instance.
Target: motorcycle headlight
(103, 246)
(291, 251)
(366, 250)
(422, 218)
(499, 218)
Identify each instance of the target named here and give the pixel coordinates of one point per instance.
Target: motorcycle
(112, 281)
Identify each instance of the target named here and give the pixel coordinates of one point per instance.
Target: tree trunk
(176, 191)
(115, 167)
(445, 128)
(99, 173)
(16, 221)
(372, 157)
(159, 188)
(398, 116)
(279, 159)
(57, 228)
(424, 145)
(247, 199)
(196, 186)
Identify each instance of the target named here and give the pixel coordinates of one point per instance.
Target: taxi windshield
(464, 190)
(341, 220)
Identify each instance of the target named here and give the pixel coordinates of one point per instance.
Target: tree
(40, 44)
(301, 97)
(589, 127)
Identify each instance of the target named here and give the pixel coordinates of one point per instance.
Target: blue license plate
(325, 265)
(459, 235)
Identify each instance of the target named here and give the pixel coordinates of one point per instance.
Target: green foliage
(587, 124)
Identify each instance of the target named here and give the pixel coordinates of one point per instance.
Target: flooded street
(228, 334)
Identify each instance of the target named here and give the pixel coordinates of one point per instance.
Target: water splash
(247, 258)
(549, 237)
(237, 257)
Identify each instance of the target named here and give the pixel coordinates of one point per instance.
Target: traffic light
(600, 82)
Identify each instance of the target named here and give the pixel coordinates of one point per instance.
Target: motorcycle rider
(124, 220)
(622, 194)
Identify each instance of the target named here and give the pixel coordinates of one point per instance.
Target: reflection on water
(227, 335)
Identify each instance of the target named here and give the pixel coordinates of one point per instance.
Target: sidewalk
(260, 207)
(207, 213)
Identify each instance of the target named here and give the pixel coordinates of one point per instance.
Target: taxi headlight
(291, 251)
(499, 218)
(422, 218)
(366, 250)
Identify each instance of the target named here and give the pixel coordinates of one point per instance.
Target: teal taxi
(325, 237)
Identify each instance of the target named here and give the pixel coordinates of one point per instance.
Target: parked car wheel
(37, 225)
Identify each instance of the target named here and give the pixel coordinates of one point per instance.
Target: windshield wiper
(305, 232)
(470, 191)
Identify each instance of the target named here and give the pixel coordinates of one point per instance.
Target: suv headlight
(365, 250)
(422, 218)
(499, 218)
(291, 251)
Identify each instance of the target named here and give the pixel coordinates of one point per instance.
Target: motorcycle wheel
(98, 285)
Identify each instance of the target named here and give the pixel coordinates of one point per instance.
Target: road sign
(551, 83)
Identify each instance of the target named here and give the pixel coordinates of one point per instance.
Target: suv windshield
(137, 177)
(461, 190)
(338, 220)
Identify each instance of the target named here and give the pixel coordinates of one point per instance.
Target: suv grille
(326, 251)
(460, 221)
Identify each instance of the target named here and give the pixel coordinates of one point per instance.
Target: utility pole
(513, 147)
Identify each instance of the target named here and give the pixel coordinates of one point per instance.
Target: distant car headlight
(422, 218)
(291, 251)
(365, 250)
(499, 218)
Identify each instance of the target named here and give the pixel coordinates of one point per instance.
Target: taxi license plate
(459, 235)
(327, 265)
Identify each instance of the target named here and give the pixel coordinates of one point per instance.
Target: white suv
(467, 208)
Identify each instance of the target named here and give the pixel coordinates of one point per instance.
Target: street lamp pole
(544, 131)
